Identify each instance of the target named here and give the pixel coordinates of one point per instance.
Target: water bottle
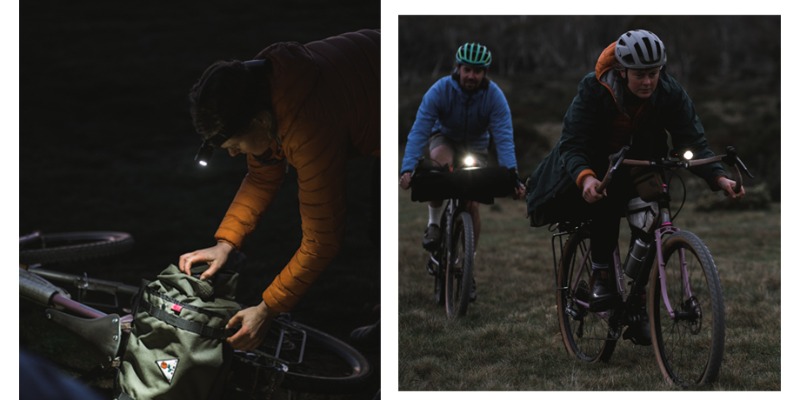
(636, 257)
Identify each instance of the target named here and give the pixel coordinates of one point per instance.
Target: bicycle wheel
(586, 335)
(438, 278)
(438, 263)
(73, 246)
(688, 345)
(328, 365)
(459, 265)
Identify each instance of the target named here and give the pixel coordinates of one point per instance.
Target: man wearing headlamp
(310, 106)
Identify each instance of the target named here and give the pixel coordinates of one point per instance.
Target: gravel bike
(684, 301)
(294, 356)
(452, 262)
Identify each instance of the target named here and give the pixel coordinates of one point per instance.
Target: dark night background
(106, 141)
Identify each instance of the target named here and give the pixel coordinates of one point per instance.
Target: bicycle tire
(329, 365)
(74, 246)
(439, 285)
(586, 335)
(688, 348)
(358, 370)
(439, 280)
(460, 265)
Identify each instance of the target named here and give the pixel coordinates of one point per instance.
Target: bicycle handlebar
(36, 288)
(730, 158)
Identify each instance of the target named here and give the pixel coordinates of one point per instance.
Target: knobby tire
(689, 348)
(74, 246)
(460, 265)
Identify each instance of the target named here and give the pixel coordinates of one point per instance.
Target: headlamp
(687, 155)
(204, 154)
(206, 150)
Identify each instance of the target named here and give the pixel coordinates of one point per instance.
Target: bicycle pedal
(575, 312)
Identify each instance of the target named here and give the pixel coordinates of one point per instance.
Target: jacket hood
(606, 61)
(604, 72)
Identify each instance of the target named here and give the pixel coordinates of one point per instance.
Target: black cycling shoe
(604, 293)
(432, 237)
(638, 330)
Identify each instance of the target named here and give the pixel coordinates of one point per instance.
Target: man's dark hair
(227, 97)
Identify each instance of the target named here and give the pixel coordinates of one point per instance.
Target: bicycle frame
(684, 299)
(666, 228)
(103, 330)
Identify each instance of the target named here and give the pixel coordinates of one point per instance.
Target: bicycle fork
(689, 309)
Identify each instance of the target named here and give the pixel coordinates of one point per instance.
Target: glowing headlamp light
(687, 155)
(204, 154)
(206, 150)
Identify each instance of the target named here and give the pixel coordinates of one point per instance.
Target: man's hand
(254, 323)
(215, 256)
(519, 191)
(405, 180)
(728, 185)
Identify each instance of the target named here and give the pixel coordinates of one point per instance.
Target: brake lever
(614, 160)
(618, 157)
(732, 158)
(740, 165)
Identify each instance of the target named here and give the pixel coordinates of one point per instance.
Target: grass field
(510, 340)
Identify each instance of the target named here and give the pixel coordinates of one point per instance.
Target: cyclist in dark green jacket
(627, 100)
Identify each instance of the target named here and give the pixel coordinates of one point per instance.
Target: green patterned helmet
(474, 54)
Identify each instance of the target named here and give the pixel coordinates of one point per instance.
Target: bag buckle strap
(181, 323)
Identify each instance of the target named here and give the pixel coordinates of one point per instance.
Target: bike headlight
(469, 161)
(687, 155)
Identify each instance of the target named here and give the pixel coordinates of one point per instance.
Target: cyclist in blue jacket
(460, 112)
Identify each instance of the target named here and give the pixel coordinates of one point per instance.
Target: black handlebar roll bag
(478, 184)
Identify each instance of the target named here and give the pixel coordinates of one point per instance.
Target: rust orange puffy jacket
(326, 99)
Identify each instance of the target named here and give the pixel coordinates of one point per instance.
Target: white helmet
(640, 49)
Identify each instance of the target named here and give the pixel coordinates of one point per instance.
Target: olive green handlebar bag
(176, 348)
